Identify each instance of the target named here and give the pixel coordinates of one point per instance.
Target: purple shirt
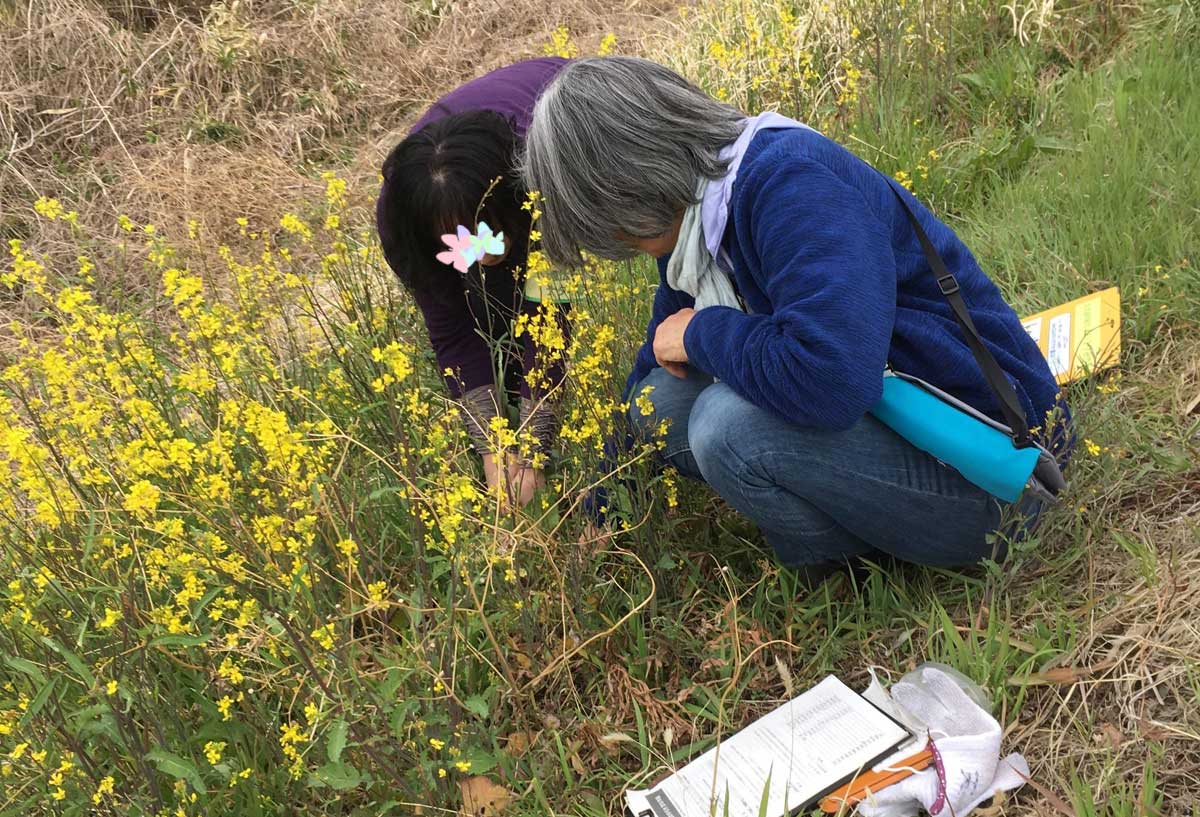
(464, 330)
(512, 90)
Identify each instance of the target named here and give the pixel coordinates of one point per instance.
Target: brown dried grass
(212, 111)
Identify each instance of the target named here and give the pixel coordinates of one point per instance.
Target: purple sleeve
(456, 343)
(534, 356)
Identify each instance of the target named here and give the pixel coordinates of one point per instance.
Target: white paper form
(806, 746)
(1033, 328)
(1058, 347)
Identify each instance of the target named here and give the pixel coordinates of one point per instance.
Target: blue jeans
(821, 496)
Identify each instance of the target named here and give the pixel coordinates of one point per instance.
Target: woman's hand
(523, 481)
(668, 342)
(595, 537)
(515, 481)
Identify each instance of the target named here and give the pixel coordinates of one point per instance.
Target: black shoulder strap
(1010, 405)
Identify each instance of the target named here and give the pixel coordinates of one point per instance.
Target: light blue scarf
(695, 263)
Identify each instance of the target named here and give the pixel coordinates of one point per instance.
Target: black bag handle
(1010, 404)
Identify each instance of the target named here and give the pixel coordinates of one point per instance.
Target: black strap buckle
(947, 283)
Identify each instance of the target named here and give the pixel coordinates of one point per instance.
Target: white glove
(968, 740)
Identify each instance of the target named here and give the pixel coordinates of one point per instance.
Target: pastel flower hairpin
(465, 248)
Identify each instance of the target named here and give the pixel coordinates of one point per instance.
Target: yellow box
(1079, 337)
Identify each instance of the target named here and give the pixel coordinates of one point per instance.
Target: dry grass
(1126, 690)
(213, 111)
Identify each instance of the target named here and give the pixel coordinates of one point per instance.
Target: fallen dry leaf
(1110, 735)
(1152, 731)
(1192, 406)
(482, 798)
(576, 761)
(518, 743)
(1058, 675)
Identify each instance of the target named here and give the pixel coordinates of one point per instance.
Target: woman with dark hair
(457, 167)
(791, 275)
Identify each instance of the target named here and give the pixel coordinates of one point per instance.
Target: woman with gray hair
(790, 277)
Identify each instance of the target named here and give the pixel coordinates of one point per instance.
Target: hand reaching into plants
(524, 481)
(595, 536)
(516, 481)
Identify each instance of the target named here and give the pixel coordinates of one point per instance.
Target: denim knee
(672, 398)
(717, 433)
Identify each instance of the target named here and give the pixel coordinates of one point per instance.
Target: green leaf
(73, 661)
(180, 641)
(340, 776)
(178, 767)
(38, 702)
(209, 596)
(387, 490)
(337, 740)
(387, 689)
(481, 762)
(437, 567)
(766, 795)
(26, 666)
(477, 705)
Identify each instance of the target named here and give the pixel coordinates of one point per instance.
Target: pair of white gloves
(967, 738)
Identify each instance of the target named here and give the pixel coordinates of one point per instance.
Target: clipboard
(746, 769)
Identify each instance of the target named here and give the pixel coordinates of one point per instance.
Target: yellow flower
(142, 498)
(1092, 448)
(293, 224)
(111, 688)
(324, 636)
(48, 208)
(463, 766)
(396, 358)
(644, 404)
(105, 788)
(560, 44)
(111, 617)
(607, 44)
(438, 745)
(213, 750)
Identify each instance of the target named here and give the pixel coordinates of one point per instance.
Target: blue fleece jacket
(836, 286)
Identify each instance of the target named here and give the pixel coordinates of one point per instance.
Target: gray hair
(618, 145)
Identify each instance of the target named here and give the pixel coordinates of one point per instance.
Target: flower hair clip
(465, 248)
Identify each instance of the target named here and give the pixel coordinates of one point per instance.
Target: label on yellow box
(1079, 337)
